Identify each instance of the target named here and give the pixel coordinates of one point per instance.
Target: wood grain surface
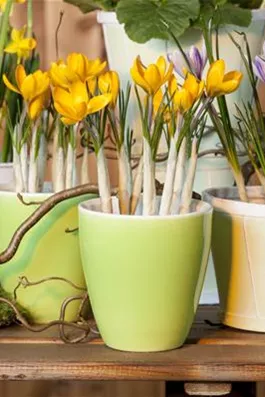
(212, 353)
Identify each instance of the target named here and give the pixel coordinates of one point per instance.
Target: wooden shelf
(212, 353)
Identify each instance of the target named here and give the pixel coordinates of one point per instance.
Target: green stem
(5, 26)
(30, 19)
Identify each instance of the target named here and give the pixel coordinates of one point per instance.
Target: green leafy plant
(147, 19)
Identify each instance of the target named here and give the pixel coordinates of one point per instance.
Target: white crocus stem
(179, 177)
(125, 180)
(24, 163)
(33, 185)
(70, 177)
(240, 183)
(84, 167)
(59, 170)
(188, 186)
(137, 186)
(42, 159)
(149, 194)
(19, 184)
(55, 150)
(104, 182)
(70, 159)
(167, 194)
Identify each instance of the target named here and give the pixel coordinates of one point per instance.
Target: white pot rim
(85, 209)
(225, 199)
(6, 165)
(110, 17)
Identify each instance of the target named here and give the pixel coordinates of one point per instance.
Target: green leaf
(230, 14)
(91, 5)
(145, 19)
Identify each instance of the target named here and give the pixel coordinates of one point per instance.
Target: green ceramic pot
(46, 251)
(144, 274)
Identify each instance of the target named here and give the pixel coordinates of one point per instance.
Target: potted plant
(137, 265)
(130, 31)
(51, 249)
(9, 102)
(239, 218)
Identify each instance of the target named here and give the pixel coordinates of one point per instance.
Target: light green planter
(46, 251)
(144, 274)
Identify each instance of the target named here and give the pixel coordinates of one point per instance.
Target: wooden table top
(211, 353)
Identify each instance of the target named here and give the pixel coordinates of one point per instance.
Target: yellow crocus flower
(109, 83)
(83, 67)
(219, 83)
(184, 97)
(77, 68)
(74, 104)
(151, 78)
(61, 75)
(34, 89)
(3, 4)
(19, 44)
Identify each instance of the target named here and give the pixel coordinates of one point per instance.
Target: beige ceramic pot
(238, 248)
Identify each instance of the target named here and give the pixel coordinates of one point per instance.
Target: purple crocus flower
(259, 67)
(197, 59)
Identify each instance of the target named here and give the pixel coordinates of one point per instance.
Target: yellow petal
(27, 44)
(157, 100)
(230, 83)
(95, 67)
(183, 100)
(17, 35)
(63, 102)
(35, 107)
(152, 78)
(161, 65)
(215, 76)
(10, 85)
(92, 85)
(172, 85)
(168, 74)
(97, 103)
(20, 75)
(109, 83)
(68, 121)
(137, 73)
(77, 63)
(28, 87)
(78, 91)
(11, 48)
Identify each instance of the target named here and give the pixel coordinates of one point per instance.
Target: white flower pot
(239, 256)
(7, 175)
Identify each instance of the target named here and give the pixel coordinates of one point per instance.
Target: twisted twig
(63, 336)
(40, 212)
(41, 328)
(21, 199)
(24, 282)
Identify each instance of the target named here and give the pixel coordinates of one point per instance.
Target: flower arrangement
(16, 46)
(78, 97)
